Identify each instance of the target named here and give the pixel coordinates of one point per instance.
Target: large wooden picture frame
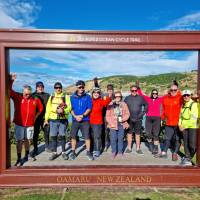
(90, 175)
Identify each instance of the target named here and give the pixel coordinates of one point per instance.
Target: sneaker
(128, 151)
(161, 155)
(139, 151)
(89, 155)
(186, 162)
(155, 150)
(120, 155)
(34, 153)
(53, 156)
(19, 162)
(113, 156)
(96, 154)
(65, 156)
(72, 156)
(174, 157)
(48, 150)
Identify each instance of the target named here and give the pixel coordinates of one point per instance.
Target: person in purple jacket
(153, 118)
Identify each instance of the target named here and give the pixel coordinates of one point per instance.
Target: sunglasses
(186, 95)
(173, 90)
(155, 93)
(133, 90)
(118, 96)
(57, 88)
(81, 87)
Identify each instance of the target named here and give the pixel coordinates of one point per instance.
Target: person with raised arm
(26, 110)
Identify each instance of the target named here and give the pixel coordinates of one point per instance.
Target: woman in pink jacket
(117, 115)
(153, 119)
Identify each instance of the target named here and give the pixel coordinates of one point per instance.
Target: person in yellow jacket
(188, 124)
(57, 112)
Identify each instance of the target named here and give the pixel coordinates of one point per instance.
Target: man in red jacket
(27, 109)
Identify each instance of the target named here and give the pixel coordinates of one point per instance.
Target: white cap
(186, 92)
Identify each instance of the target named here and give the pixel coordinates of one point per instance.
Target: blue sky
(68, 66)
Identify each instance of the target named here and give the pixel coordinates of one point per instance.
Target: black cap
(57, 84)
(80, 83)
(39, 83)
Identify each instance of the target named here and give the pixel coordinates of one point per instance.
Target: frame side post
(198, 91)
(3, 132)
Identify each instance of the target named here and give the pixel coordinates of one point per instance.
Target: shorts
(83, 126)
(135, 127)
(23, 133)
(58, 127)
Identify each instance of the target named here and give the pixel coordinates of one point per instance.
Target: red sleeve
(39, 106)
(105, 101)
(163, 109)
(142, 94)
(14, 95)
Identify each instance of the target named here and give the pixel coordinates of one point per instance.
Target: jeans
(116, 139)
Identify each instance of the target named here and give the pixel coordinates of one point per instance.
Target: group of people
(104, 119)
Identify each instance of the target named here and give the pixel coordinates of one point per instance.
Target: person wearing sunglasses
(153, 118)
(117, 115)
(96, 119)
(57, 112)
(138, 107)
(171, 108)
(43, 96)
(26, 110)
(81, 108)
(188, 124)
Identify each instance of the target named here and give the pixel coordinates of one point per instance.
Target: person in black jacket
(137, 108)
(43, 96)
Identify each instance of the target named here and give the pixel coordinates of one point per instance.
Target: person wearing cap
(96, 119)
(117, 115)
(138, 107)
(57, 112)
(27, 109)
(171, 108)
(188, 124)
(153, 118)
(81, 107)
(43, 96)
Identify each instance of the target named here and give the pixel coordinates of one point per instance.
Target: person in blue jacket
(81, 106)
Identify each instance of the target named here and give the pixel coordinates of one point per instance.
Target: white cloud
(18, 13)
(187, 22)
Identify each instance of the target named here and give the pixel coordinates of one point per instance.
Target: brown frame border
(91, 175)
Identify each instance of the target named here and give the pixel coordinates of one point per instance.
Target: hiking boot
(53, 156)
(19, 162)
(25, 159)
(72, 156)
(89, 155)
(139, 152)
(65, 156)
(128, 151)
(155, 150)
(174, 157)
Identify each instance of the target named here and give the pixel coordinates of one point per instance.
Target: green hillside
(147, 83)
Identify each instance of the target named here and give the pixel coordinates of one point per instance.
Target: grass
(111, 193)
